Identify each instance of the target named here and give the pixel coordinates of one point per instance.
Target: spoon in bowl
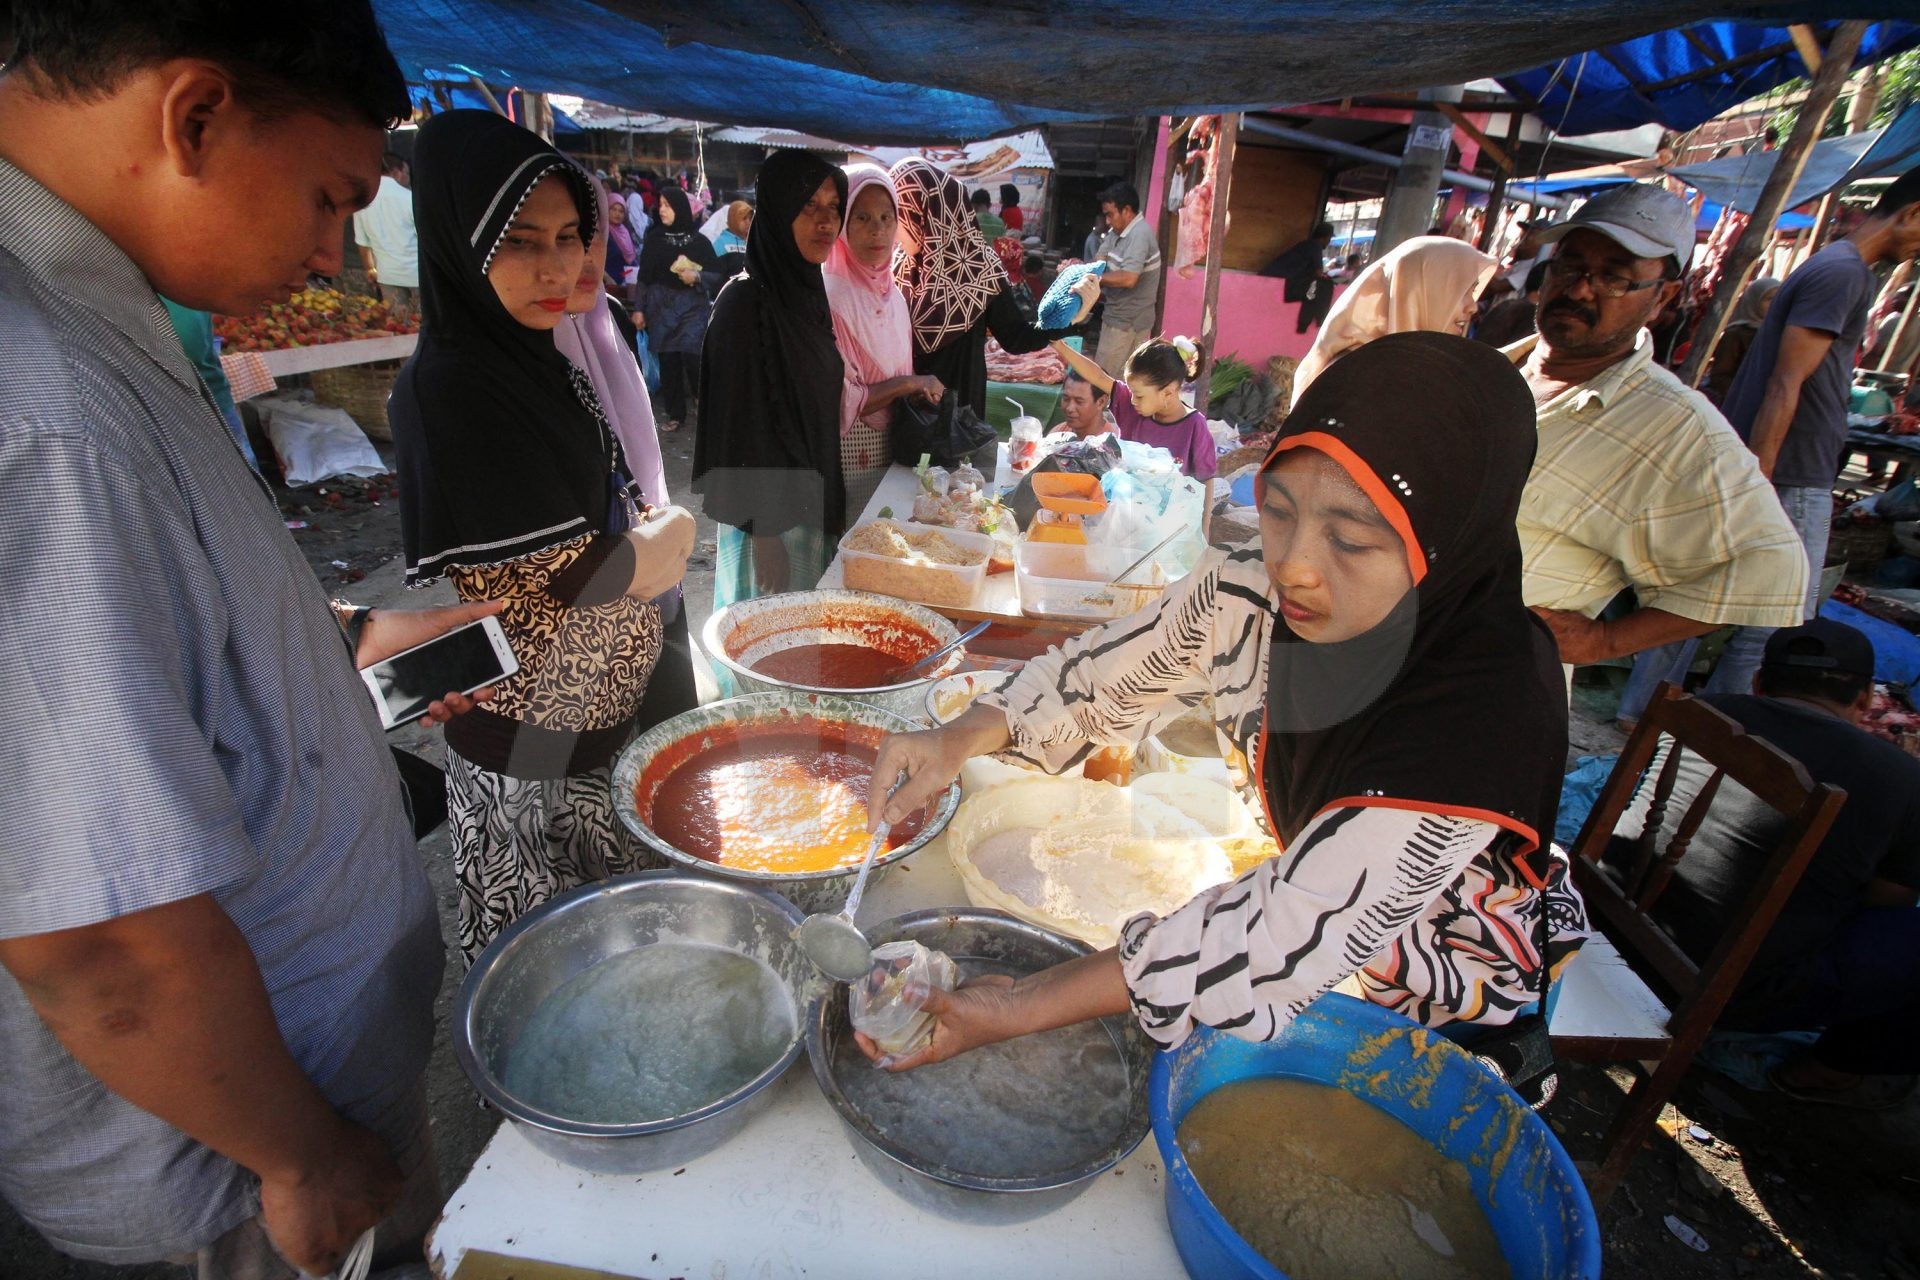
(912, 669)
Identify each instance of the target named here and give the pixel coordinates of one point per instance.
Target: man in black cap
(1844, 955)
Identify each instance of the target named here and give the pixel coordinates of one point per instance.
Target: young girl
(1147, 405)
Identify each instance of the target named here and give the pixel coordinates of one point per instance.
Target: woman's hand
(661, 547)
(931, 760)
(979, 1012)
(689, 277)
(1088, 291)
(990, 1009)
(390, 631)
(928, 388)
(772, 570)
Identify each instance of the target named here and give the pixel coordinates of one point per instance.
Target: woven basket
(362, 390)
(1859, 544)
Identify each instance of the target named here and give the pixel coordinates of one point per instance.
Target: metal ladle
(831, 940)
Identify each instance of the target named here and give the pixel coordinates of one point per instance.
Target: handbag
(949, 432)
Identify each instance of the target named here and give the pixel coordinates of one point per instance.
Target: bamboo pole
(1229, 141)
(1834, 64)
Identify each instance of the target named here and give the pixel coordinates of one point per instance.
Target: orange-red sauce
(781, 797)
(832, 666)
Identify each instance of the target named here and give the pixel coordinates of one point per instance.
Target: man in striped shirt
(1638, 482)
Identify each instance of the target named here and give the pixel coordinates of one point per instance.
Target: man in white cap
(1638, 481)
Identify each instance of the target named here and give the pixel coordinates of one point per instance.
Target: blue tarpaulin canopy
(1686, 76)
(1832, 162)
(880, 70)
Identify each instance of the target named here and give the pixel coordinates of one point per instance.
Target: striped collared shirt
(181, 718)
(1639, 482)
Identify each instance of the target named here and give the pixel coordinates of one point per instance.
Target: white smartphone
(464, 659)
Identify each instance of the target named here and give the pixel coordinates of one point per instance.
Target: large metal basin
(559, 939)
(813, 890)
(978, 939)
(747, 631)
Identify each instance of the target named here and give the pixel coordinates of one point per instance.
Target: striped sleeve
(1248, 956)
(1118, 683)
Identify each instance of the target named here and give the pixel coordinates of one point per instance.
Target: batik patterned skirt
(517, 843)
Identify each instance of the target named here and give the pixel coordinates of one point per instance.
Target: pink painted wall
(1255, 322)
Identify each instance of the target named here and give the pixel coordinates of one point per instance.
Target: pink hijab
(593, 342)
(1422, 285)
(871, 325)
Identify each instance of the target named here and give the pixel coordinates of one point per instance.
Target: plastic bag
(316, 442)
(649, 362)
(886, 1004)
(950, 431)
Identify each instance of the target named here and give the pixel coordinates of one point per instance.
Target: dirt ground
(1774, 1188)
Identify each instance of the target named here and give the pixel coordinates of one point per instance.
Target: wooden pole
(1216, 249)
(1497, 198)
(1176, 133)
(480, 87)
(1834, 63)
(1899, 330)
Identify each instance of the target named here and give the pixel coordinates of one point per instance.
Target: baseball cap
(1823, 645)
(1646, 220)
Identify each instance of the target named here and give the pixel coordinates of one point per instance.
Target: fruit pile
(310, 318)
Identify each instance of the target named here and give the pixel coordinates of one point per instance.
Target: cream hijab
(1425, 283)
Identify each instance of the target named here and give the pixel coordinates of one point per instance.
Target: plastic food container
(1060, 580)
(950, 585)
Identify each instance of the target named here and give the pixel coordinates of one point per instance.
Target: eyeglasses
(1605, 283)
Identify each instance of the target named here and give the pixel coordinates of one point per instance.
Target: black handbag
(949, 432)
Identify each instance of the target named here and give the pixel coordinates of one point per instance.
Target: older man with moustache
(1638, 482)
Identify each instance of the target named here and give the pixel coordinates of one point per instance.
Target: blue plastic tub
(1522, 1176)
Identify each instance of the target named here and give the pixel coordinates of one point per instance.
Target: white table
(788, 1197)
(335, 355)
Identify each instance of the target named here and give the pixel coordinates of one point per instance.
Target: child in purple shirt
(1147, 406)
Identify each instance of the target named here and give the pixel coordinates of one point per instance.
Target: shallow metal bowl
(976, 938)
(556, 941)
(748, 630)
(810, 890)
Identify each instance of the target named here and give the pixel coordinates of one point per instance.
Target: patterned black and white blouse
(1437, 923)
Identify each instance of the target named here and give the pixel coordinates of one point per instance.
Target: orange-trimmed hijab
(1455, 703)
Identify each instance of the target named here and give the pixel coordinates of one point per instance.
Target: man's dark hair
(1073, 375)
(1009, 195)
(1904, 191)
(981, 200)
(1121, 195)
(1322, 231)
(1033, 264)
(327, 57)
(1838, 687)
(1353, 259)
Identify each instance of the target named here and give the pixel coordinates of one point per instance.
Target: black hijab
(767, 456)
(501, 450)
(664, 245)
(1455, 703)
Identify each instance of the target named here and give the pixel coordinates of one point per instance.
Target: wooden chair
(1605, 1011)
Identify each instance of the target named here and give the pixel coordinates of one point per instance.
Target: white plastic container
(1068, 580)
(954, 586)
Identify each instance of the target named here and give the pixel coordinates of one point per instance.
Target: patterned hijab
(952, 275)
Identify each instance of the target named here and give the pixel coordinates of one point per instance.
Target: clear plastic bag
(886, 1005)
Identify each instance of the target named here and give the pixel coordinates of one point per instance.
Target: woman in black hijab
(1381, 695)
(767, 459)
(513, 485)
(677, 265)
